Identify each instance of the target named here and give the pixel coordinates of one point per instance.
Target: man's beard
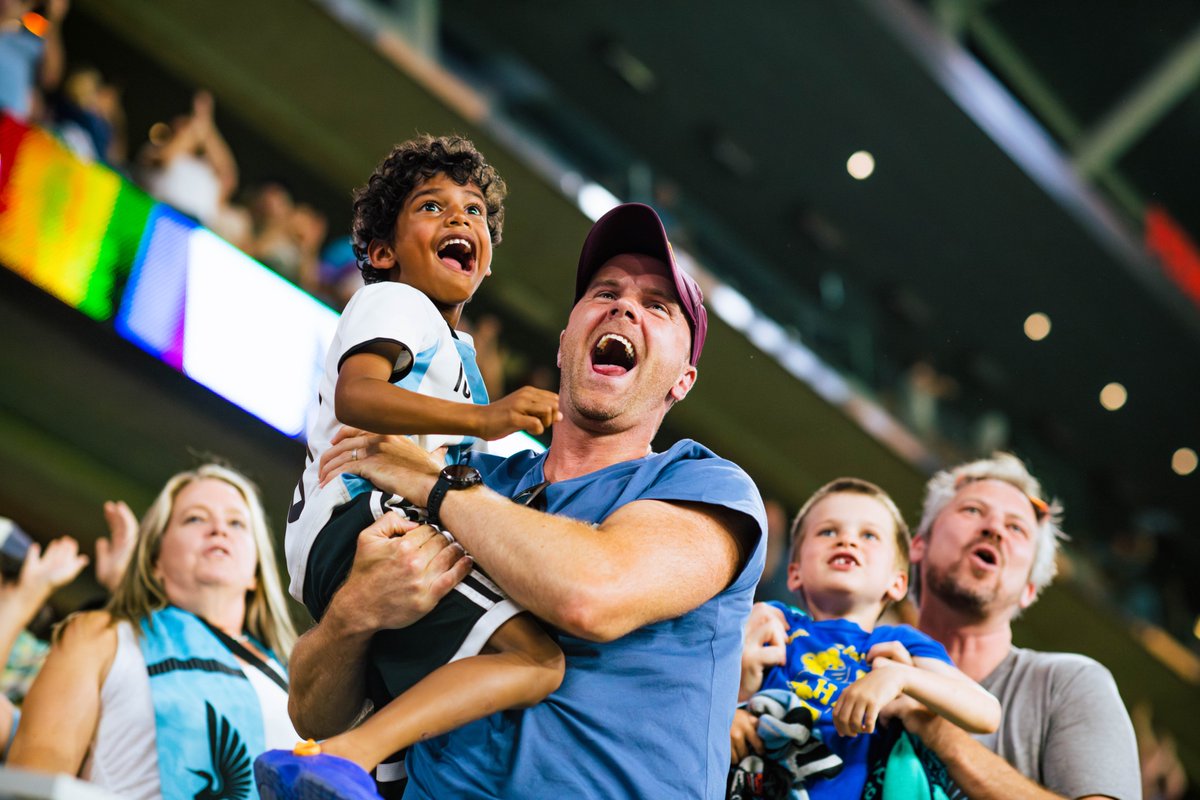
(971, 600)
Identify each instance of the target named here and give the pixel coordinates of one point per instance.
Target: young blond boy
(849, 560)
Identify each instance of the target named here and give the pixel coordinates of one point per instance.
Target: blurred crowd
(184, 162)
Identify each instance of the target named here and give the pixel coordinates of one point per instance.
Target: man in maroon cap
(644, 563)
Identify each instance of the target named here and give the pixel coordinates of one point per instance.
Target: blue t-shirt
(646, 715)
(822, 659)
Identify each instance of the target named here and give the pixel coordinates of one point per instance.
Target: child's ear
(382, 255)
(794, 583)
(898, 588)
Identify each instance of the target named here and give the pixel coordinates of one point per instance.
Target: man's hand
(911, 713)
(112, 555)
(393, 463)
(401, 570)
(743, 736)
(764, 646)
(527, 409)
(860, 703)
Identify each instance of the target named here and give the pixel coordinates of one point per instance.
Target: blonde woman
(178, 684)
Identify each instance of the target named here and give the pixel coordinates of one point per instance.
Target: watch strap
(437, 494)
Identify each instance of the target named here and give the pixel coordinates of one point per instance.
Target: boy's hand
(743, 736)
(764, 646)
(893, 651)
(527, 409)
(861, 702)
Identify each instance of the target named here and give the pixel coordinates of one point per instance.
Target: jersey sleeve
(388, 312)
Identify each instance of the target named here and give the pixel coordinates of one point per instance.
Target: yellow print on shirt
(824, 674)
(838, 662)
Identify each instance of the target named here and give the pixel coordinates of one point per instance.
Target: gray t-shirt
(1064, 725)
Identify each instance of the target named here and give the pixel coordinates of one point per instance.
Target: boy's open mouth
(844, 560)
(614, 352)
(457, 253)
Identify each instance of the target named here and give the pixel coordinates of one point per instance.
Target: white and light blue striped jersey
(435, 361)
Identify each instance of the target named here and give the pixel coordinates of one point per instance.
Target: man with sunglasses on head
(642, 563)
(984, 549)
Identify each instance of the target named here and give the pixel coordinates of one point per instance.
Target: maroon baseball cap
(636, 228)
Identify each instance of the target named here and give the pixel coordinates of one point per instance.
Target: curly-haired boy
(423, 232)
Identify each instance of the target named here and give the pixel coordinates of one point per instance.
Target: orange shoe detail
(307, 748)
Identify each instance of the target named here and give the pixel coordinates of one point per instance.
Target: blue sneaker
(305, 773)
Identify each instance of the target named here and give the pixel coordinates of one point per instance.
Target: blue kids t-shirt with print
(825, 657)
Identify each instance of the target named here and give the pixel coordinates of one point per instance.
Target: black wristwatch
(452, 478)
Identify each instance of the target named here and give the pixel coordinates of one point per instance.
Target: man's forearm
(536, 557)
(328, 678)
(648, 561)
(980, 773)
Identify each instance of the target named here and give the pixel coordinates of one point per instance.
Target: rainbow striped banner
(69, 227)
(100, 244)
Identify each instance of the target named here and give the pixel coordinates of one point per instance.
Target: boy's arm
(946, 691)
(365, 398)
(941, 687)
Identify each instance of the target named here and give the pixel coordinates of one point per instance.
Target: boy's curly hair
(377, 204)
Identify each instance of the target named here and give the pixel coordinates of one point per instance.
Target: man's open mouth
(987, 555)
(457, 253)
(614, 350)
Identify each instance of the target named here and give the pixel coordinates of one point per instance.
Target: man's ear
(1028, 595)
(916, 549)
(558, 355)
(684, 385)
(382, 255)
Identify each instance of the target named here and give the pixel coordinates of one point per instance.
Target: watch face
(461, 475)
